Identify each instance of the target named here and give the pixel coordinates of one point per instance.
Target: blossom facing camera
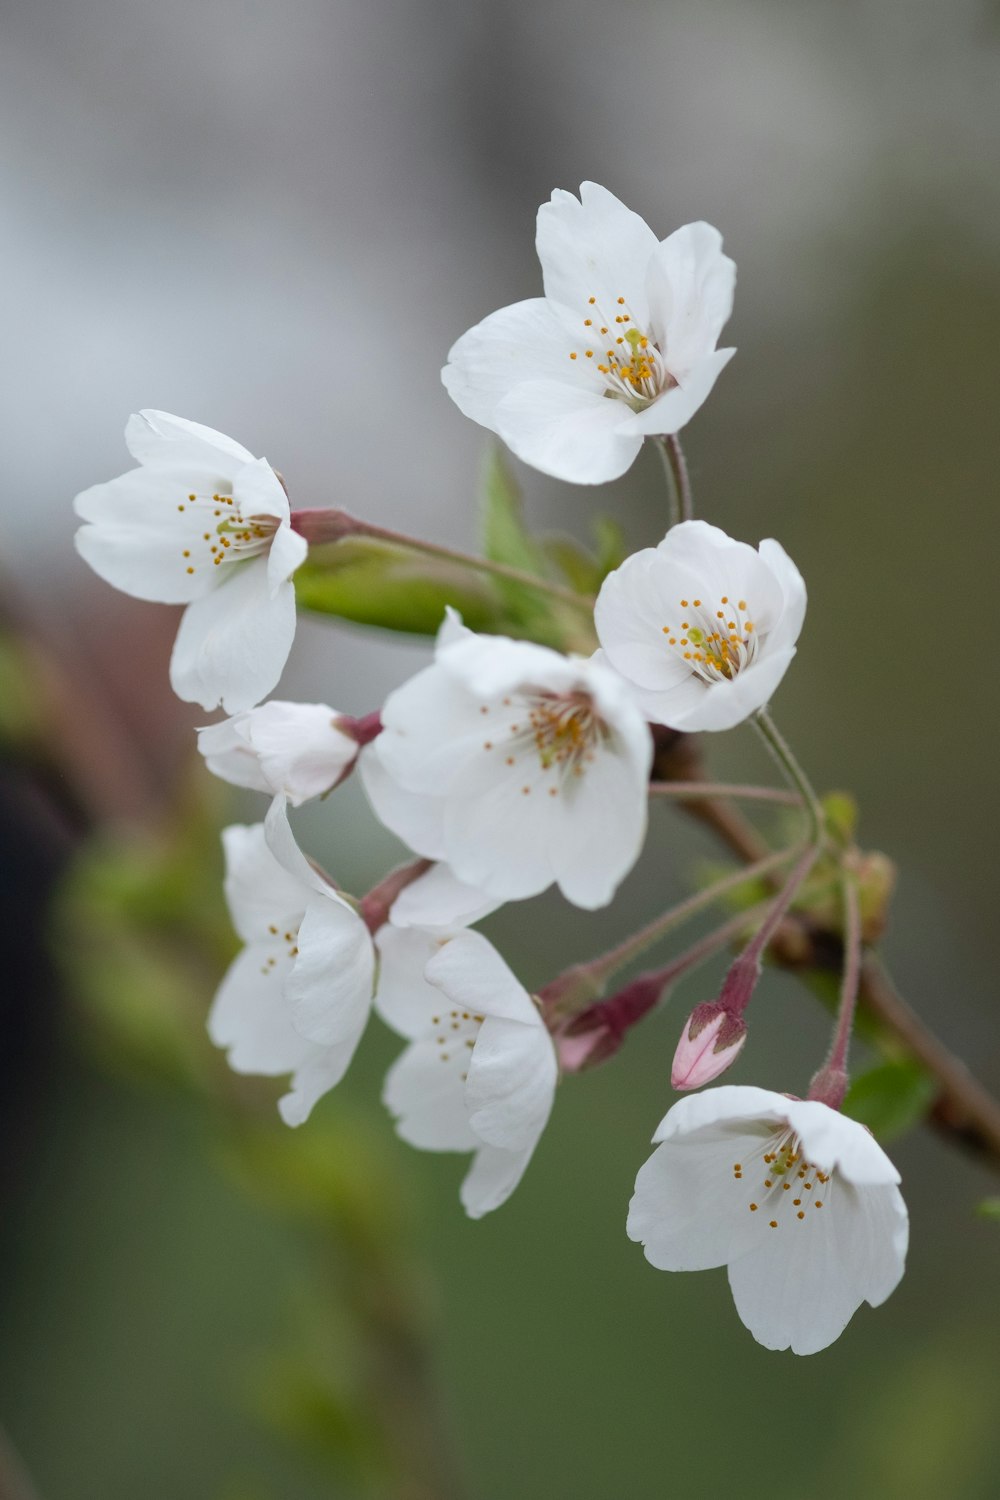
(297, 998)
(480, 1070)
(799, 1202)
(702, 627)
(710, 1042)
(296, 749)
(516, 766)
(621, 347)
(201, 522)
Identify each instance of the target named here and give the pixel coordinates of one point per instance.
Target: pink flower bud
(709, 1043)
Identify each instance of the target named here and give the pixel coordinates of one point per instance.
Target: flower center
(717, 639)
(789, 1186)
(629, 360)
(285, 943)
(559, 731)
(229, 536)
(455, 1033)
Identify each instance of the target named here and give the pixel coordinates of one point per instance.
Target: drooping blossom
(480, 1070)
(621, 347)
(798, 1201)
(298, 749)
(516, 766)
(201, 522)
(702, 627)
(297, 998)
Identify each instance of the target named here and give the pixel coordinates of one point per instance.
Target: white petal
(259, 892)
(417, 819)
(527, 341)
(292, 748)
(404, 998)
(786, 630)
(145, 535)
(833, 1140)
(605, 824)
(157, 438)
(690, 284)
(249, 1015)
(258, 491)
(511, 1084)
(802, 1284)
(287, 552)
(440, 899)
(721, 1106)
(630, 614)
(320, 1072)
(725, 704)
(688, 1210)
(281, 842)
(425, 1093)
(429, 726)
(233, 644)
(491, 1179)
(594, 247)
(330, 986)
(675, 408)
(571, 433)
(499, 835)
(471, 973)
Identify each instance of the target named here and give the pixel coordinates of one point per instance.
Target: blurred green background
(212, 211)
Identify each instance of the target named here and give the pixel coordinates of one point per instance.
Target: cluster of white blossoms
(508, 767)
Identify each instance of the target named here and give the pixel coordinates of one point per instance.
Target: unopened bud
(709, 1042)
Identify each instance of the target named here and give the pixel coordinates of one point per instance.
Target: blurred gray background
(275, 219)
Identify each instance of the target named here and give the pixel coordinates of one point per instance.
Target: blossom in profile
(297, 998)
(300, 750)
(702, 627)
(201, 522)
(798, 1201)
(516, 766)
(621, 347)
(480, 1071)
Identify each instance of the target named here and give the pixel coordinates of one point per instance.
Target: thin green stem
(601, 969)
(322, 526)
(686, 790)
(793, 772)
(830, 1083)
(678, 479)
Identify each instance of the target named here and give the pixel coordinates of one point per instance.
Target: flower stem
(375, 907)
(830, 1083)
(745, 971)
(741, 793)
(793, 772)
(320, 526)
(595, 1033)
(678, 479)
(577, 986)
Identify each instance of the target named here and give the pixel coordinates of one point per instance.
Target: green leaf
(989, 1209)
(506, 539)
(377, 583)
(891, 1097)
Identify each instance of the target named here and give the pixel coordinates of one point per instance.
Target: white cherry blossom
(297, 749)
(297, 998)
(621, 347)
(516, 766)
(201, 522)
(702, 627)
(799, 1202)
(480, 1070)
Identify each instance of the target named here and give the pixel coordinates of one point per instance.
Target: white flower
(621, 347)
(799, 1202)
(298, 997)
(516, 766)
(480, 1071)
(297, 749)
(703, 628)
(201, 522)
